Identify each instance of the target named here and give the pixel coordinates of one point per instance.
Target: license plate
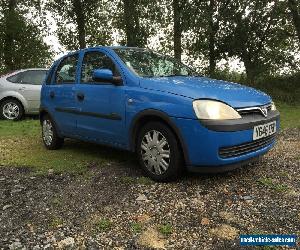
(264, 130)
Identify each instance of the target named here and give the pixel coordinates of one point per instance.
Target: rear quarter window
(14, 78)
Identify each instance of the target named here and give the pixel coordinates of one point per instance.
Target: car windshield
(146, 63)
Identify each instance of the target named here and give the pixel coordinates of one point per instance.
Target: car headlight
(273, 107)
(214, 110)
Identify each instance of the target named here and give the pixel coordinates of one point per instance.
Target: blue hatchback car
(139, 100)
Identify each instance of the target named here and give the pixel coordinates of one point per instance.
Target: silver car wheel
(11, 111)
(155, 152)
(47, 132)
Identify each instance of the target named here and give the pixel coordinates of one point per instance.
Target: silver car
(20, 93)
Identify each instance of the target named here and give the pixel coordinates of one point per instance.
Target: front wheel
(49, 134)
(159, 152)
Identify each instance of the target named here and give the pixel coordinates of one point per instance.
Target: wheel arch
(155, 115)
(42, 113)
(14, 98)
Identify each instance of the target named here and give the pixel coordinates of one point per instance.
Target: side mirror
(106, 75)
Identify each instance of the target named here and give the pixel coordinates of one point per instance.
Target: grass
(136, 227)
(103, 225)
(269, 183)
(21, 145)
(165, 229)
(289, 115)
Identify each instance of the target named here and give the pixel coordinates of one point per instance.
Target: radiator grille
(233, 151)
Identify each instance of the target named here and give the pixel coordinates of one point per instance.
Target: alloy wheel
(11, 111)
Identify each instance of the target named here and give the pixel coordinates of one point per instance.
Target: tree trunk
(80, 22)
(212, 33)
(296, 16)
(177, 29)
(250, 72)
(130, 19)
(9, 36)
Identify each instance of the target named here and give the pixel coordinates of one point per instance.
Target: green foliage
(103, 225)
(165, 229)
(281, 88)
(136, 227)
(21, 39)
(94, 18)
(269, 183)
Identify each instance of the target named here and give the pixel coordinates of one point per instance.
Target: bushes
(281, 88)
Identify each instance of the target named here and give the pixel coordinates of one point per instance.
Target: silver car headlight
(273, 107)
(214, 110)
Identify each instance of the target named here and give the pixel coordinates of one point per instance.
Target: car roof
(103, 47)
(21, 70)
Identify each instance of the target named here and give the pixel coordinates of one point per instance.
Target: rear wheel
(49, 134)
(159, 152)
(11, 109)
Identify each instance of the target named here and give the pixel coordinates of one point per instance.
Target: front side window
(35, 77)
(146, 63)
(96, 60)
(66, 71)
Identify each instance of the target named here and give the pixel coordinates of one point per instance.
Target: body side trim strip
(112, 116)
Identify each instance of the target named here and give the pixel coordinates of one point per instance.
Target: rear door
(101, 104)
(28, 84)
(60, 95)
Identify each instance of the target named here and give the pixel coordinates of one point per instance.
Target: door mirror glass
(103, 75)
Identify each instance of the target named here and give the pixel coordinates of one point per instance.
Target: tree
(256, 35)
(78, 9)
(182, 14)
(207, 31)
(295, 11)
(82, 22)
(135, 34)
(177, 29)
(21, 39)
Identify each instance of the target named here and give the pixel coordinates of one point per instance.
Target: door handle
(80, 96)
(52, 94)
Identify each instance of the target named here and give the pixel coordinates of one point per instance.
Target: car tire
(159, 152)
(49, 134)
(11, 109)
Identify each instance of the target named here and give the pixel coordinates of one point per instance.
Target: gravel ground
(114, 207)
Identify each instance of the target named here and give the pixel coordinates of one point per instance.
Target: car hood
(234, 94)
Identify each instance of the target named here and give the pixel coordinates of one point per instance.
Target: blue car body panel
(233, 94)
(108, 112)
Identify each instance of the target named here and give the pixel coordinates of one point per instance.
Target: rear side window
(34, 77)
(96, 60)
(66, 71)
(15, 78)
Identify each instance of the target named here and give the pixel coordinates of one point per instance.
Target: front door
(101, 104)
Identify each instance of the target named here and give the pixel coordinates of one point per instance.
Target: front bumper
(203, 143)
(222, 168)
